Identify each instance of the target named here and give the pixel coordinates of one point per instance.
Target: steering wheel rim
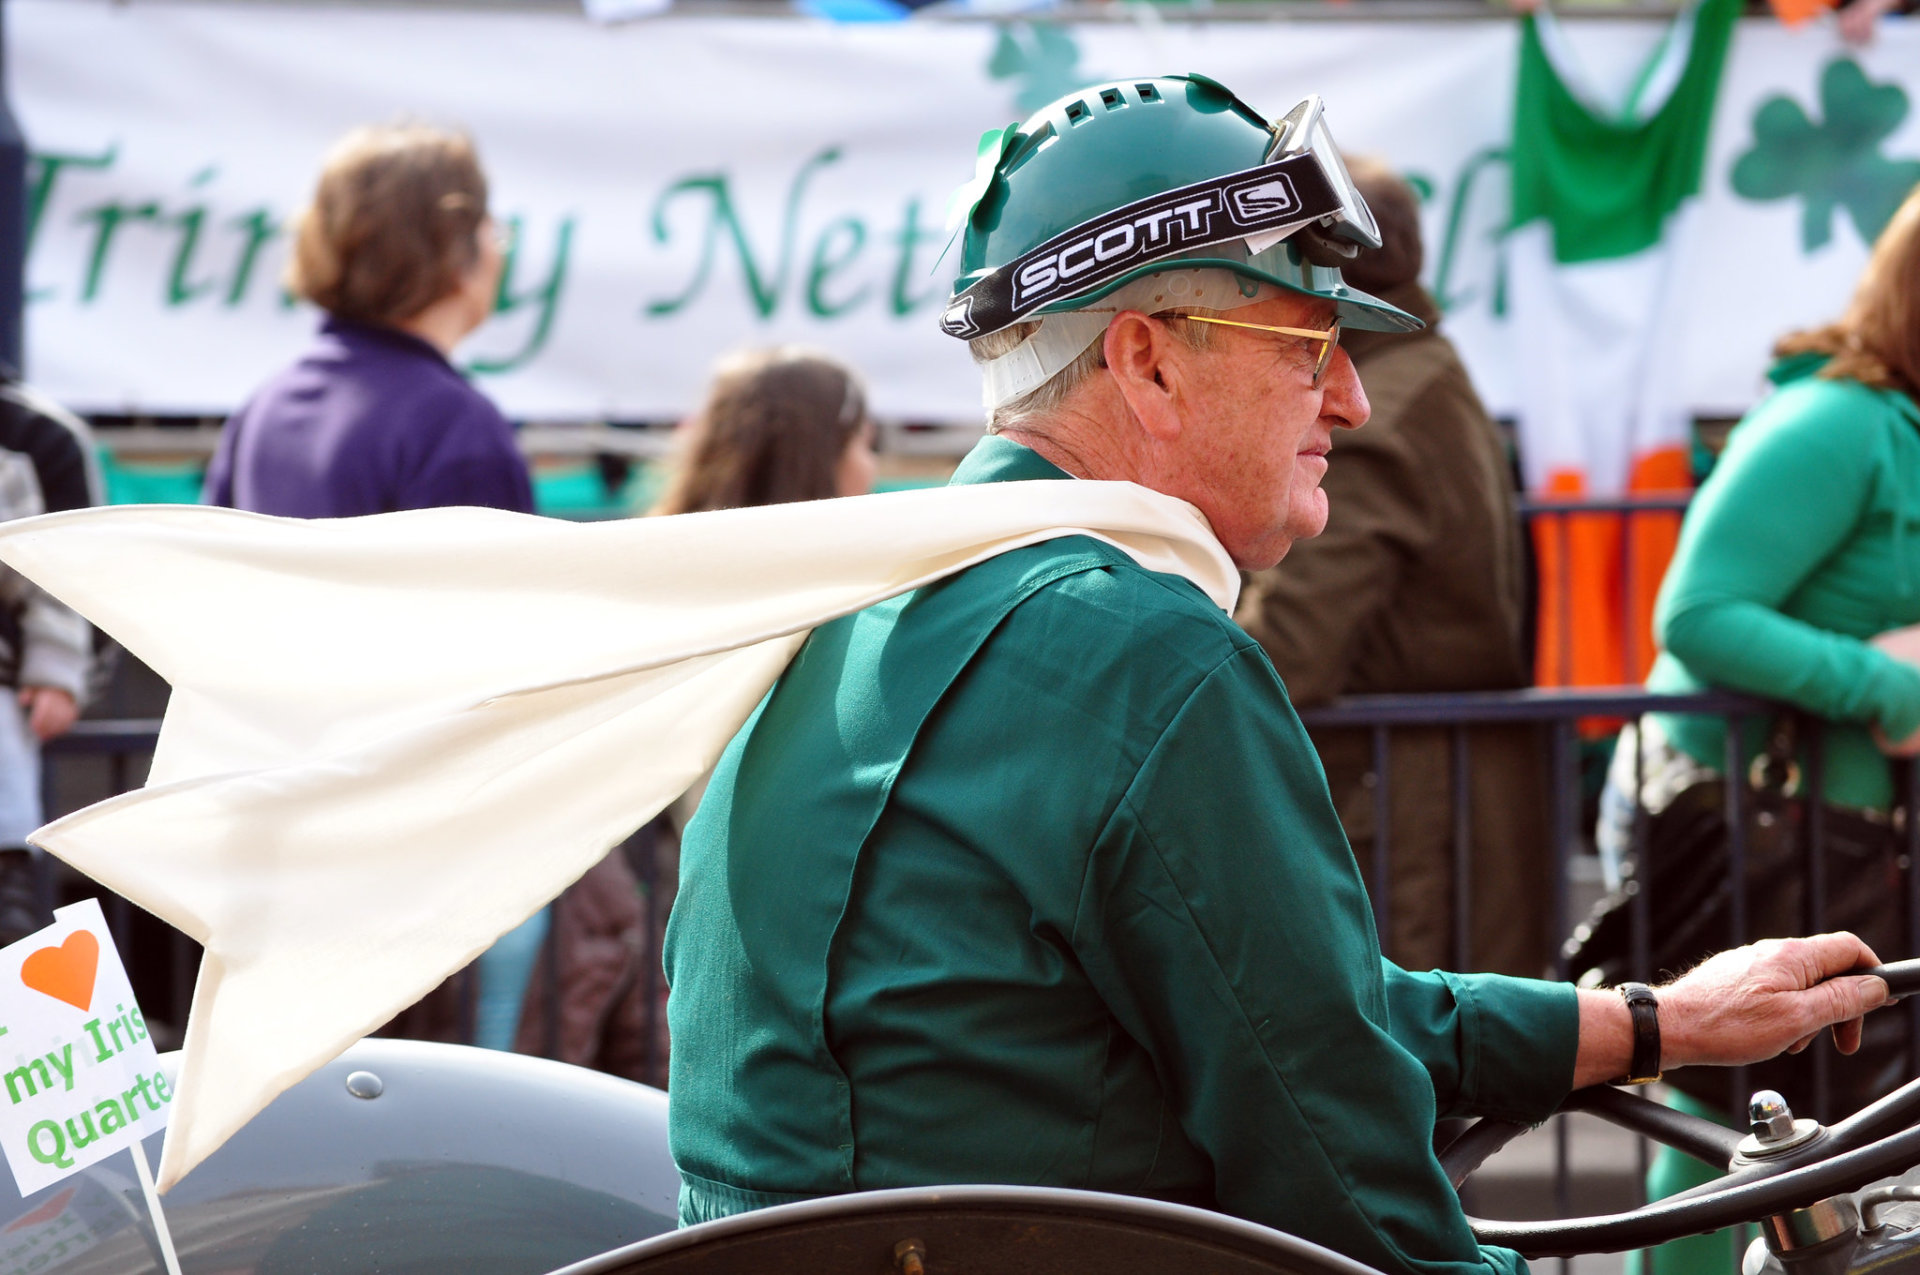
(1874, 1143)
(1711, 1144)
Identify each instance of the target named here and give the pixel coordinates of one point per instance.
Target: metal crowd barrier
(1558, 713)
(1561, 715)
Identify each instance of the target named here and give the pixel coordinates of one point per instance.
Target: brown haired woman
(398, 250)
(779, 425)
(1798, 562)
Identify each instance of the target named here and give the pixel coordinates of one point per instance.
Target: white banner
(684, 186)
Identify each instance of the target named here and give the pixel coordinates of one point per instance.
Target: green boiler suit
(1031, 877)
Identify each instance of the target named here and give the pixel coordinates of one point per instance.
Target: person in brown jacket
(595, 956)
(1417, 585)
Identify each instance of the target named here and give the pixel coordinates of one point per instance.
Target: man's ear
(1143, 358)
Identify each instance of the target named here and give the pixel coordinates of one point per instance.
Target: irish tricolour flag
(1604, 196)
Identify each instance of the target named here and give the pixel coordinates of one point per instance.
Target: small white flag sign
(79, 1076)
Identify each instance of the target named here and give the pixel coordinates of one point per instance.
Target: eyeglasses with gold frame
(1328, 338)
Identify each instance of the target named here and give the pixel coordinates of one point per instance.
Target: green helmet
(1128, 179)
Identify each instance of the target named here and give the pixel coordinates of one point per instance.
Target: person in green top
(1797, 575)
(1797, 578)
(1801, 548)
(1030, 876)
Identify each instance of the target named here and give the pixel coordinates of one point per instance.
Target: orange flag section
(1599, 575)
(1794, 12)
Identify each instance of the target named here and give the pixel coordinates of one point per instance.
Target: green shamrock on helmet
(1834, 164)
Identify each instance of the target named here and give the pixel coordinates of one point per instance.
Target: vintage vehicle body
(398, 1157)
(407, 1158)
(985, 1229)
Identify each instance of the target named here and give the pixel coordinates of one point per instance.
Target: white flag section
(392, 739)
(82, 1079)
(684, 186)
(1605, 211)
(1598, 359)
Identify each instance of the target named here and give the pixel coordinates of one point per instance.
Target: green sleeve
(1791, 488)
(1224, 922)
(1493, 1045)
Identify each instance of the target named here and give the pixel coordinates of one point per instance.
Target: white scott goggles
(1303, 131)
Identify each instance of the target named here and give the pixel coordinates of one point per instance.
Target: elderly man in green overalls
(1030, 876)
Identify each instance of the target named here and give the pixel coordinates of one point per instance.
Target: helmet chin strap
(1062, 338)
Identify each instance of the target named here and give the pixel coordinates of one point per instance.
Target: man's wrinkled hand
(1753, 1002)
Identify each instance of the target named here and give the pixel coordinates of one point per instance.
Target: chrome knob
(1770, 1117)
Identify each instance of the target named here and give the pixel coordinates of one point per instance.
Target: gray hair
(1041, 402)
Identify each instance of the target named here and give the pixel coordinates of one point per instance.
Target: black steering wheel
(1875, 1142)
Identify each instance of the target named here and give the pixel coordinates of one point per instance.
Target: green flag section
(1607, 182)
(1604, 198)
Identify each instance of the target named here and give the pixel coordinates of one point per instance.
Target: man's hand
(50, 711)
(1741, 1006)
(1749, 1004)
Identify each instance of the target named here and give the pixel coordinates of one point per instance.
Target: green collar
(1796, 367)
(1001, 460)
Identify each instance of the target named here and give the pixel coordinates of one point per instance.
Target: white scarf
(393, 739)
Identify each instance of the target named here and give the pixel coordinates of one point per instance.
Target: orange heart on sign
(65, 972)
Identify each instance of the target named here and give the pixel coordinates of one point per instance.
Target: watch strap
(1644, 1006)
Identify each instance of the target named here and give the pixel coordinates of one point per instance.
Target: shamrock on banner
(1835, 164)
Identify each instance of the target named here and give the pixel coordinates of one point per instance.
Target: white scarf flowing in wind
(392, 739)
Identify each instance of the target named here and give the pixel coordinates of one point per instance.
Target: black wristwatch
(1644, 1069)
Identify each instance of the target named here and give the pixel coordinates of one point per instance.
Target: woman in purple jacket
(398, 249)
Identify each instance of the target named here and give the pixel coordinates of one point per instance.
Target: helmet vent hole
(1077, 112)
(1111, 99)
(1038, 142)
(1147, 92)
